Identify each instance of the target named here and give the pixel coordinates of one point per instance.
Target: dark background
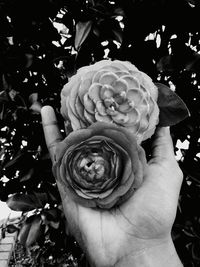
(43, 43)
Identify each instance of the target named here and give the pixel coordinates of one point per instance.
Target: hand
(139, 231)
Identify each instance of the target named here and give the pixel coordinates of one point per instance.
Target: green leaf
(40, 198)
(165, 64)
(117, 35)
(118, 11)
(27, 176)
(21, 202)
(172, 107)
(52, 214)
(3, 97)
(82, 32)
(20, 158)
(54, 225)
(24, 231)
(11, 228)
(35, 231)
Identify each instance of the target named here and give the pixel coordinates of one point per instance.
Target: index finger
(162, 147)
(51, 130)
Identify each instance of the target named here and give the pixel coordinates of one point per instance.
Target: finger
(166, 170)
(162, 147)
(51, 130)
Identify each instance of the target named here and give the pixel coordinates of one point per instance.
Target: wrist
(159, 254)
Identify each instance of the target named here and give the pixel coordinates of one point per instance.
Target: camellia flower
(100, 166)
(113, 92)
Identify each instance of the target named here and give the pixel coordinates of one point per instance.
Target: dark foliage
(42, 43)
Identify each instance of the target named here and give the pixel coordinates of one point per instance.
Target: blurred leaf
(3, 97)
(12, 186)
(36, 107)
(40, 198)
(195, 250)
(172, 108)
(55, 225)
(27, 176)
(117, 36)
(3, 232)
(53, 193)
(52, 214)
(35, 232)
(21, 202)
(5, 83)
(82, 32)
(23, 233)
(20, 157)
(165, 64)
(68, 21)
(11, 228)
(49, 220)
(119, 11)
(194, 63)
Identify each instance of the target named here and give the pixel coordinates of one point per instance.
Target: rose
(111, 91)
(100, 166)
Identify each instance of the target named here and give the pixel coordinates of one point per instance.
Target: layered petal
(100, 166)
(111, 91)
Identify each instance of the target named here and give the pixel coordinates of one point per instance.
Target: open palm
(144, 220)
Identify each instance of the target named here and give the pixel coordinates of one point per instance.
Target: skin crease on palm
(142, 222)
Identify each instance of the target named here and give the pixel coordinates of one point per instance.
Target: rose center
(120, 98)
(92, 167)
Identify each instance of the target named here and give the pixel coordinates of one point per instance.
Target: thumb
(162, 147)
(51, 131)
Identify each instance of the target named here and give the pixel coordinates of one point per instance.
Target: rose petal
(133, 128)
(121, 65)
(120, 118)
(85, 84)
(108, 78)
(100, 118)
(126, 140)
(95, 195)
(151, 104)
(71, 193)
(80, 110)
(145, 92)
(128, 65)
(67, 87)
(144, 107)
(100, 108)
(131, 81)
(63, 109)
(116, 194)
(153, 121)
(133, 116)
(121, 73)
(98, 75)
(94, 92)
(75, 123)
(88, 104)
(73, 138)
(89, 117)
(111, 68)
(135, 95)
(107, 91)
(120, 85)
(144, 124)
(73, 96)
(125, 107)
(149, 85)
